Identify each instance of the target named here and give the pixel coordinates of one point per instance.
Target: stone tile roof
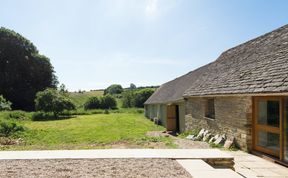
(257, 66)
(173, 90)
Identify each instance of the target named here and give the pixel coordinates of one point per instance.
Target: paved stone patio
(249, 165)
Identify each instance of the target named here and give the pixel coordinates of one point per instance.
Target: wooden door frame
(271, 129)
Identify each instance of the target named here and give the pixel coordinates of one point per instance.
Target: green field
(80, 98)
(89, 131)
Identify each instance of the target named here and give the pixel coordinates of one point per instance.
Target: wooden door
(171, 118)
(267, 125)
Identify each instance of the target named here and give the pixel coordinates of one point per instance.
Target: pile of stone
(218, 139)
(156, 120)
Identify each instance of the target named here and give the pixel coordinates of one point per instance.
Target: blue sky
(95, 43)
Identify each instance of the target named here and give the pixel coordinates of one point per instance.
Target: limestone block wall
(233, 116)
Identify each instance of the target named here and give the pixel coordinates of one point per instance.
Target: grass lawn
(88, 131)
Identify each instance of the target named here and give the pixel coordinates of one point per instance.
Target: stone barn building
(243, 93)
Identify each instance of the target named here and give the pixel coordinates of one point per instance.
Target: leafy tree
(23, 70)
(108, 102)
(136, 98)
(141, 96)
(51, 100)
(63, 89)
(132, 86)
(113, 89)
(4, 104)
(92, 103)
(128, 99)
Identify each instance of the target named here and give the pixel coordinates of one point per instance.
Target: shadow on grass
(50, 117)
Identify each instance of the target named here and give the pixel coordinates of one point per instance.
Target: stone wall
(158, 111)
(233, 116)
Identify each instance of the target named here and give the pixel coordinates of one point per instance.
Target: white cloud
(156, 8)
(152, 7)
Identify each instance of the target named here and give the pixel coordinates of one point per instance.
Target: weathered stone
(220, 140)
(205, 133)
(229, 142)
(156, 120)
(207, 137)
(233, 116)
(216, 136)
(200, 134)
(212, 139)
(190, 137)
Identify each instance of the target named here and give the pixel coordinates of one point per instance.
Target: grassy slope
(80, 98)
(83, 131)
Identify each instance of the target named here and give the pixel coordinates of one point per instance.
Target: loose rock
(190, 137)
(207, 137)
(200, 134)
(220, 140)
(229, 142)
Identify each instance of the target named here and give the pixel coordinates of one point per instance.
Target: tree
(51, 100)
(92, 103)
(128, 99)
(4, 104)
(108, 102)
(132, 86)
(23, 70)
(63, 89)
(136, 98)
(141, 96)
(113, 89)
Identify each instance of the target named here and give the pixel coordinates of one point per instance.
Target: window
(210, 109)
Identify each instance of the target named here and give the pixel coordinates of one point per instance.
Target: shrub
(106, 111)
(18, 115)
(4, 104)
(41, 116)
(8, 128)
(140, 111)
(104, 102)
(113, 89)
(108, 102)
(51, 100)
(92, 103)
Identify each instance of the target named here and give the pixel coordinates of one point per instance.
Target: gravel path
(125, 168)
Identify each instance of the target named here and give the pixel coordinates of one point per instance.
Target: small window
(210, 109)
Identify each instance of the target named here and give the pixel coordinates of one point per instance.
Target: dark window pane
(273, 115)
(210, 109)
(268, 112)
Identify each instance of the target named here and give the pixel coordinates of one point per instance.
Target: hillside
(80, 98)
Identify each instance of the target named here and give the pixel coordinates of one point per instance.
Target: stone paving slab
(118, 153)
(200, 169)
(217, 173)
(193, 165)
(253, 166)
